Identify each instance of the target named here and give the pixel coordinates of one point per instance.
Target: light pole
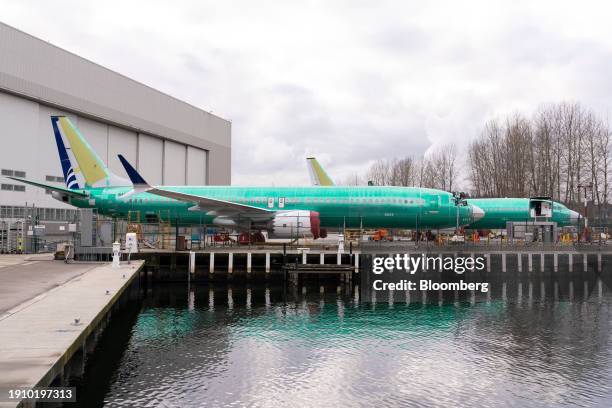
(459, 199)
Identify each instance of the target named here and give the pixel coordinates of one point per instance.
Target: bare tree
(352, 180)
(563, 145)
(380, 173)
(440, 169)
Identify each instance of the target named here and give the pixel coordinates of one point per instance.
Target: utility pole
(459, 199)
(585, 187)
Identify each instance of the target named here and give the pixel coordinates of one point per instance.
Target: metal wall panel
(174, 163)
(150, 158)
(18, 146)
(86, 227)
(121, 141)
(27, 144)
(196, 166)
(219, 160)
(39, 71)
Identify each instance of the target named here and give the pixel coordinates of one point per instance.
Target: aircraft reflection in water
(241, 345)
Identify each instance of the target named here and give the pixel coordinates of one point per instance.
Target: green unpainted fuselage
(353, 207)
(499, 211)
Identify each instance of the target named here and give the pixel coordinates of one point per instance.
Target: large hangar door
(196, 166)
(150, 158)
(174, 164)
(121, 141)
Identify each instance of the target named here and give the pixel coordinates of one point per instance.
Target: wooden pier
(240, 264)
(266, 263)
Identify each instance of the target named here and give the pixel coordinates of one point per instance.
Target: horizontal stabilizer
(59, 189)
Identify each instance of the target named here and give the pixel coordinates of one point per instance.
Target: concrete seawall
(39, 337)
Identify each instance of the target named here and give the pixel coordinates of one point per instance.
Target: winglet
(134, 176)
(140, 185)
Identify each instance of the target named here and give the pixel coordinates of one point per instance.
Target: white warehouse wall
(115, 113)
(150, 158)
(174, 163)
(196, 166)
(125, 142)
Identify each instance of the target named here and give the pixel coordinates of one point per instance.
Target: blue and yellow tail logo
(81, 165)
(67, 169)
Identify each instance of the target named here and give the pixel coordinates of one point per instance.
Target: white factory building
(170, 142)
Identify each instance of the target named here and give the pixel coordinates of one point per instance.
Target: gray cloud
(347, 81)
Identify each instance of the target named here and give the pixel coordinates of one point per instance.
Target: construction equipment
(382, 235)
(353, 234)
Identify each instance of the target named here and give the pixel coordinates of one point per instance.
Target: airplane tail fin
(318, 176)
(70, 178)
(80, 163)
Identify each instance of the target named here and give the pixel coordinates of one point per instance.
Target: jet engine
(291, 224)
(64, 198)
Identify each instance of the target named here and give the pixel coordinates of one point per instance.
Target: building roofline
(115, 72)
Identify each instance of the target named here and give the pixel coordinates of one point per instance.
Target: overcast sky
(347, 81)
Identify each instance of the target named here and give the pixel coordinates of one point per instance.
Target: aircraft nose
(574, 217)
(477, 213)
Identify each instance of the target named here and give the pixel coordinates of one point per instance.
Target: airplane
(520, 210)
(284, 212)
(497, 211)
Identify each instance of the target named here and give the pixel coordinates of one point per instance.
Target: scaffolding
(133, 223)
(12, 237)
(164, 230)
(353, 235)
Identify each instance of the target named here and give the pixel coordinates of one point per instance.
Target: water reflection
(527, 342)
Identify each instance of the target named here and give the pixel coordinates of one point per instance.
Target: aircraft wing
(211, 206)
(63, 190)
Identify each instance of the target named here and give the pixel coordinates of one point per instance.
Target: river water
(527, 343)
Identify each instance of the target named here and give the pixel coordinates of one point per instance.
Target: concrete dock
(38, 331)
(24, 277)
